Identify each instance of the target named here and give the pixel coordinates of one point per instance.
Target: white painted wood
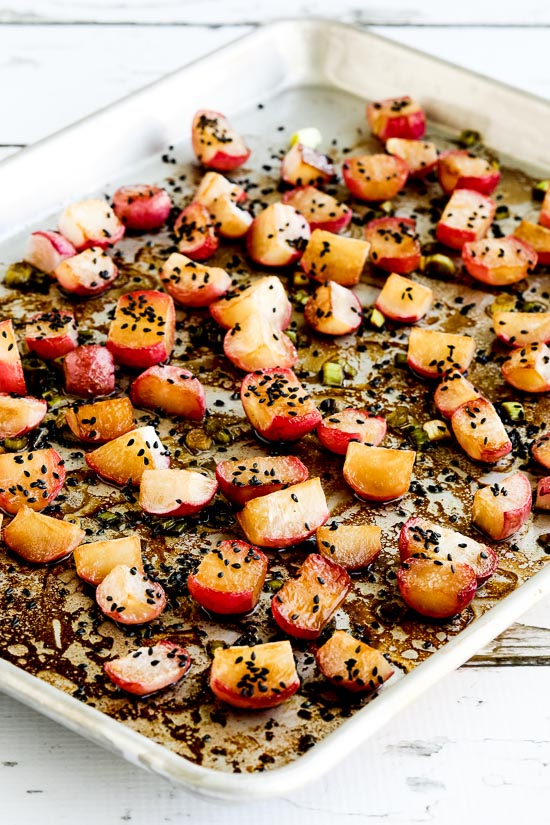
(214, 12)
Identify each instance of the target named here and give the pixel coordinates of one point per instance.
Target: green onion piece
(436, 430)
(349, 371)
(469, 137)
(301, 297)
(274, 585)
(198, 440)
(418, 436)
(108, 518)
(219, 433)
(214, 644)
(291, 333)
(15, 443)
(540, 189)
(387, 207)
(300, 279)
(534, 306)
(53, 398)
(514, 410)
(332, 374)
(85, 334)
(502, 212)
(26, 278)
(376, 319)
(399, 418)
(400, 361)
(438, 266)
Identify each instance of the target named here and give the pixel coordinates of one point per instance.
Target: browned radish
(353, 546)
(172, 389)
(378, 473)
(499, 261)
(321, 211)
(128, 596)
(333, 310)
(419, 155)
(12, 378)
(51, 334)
(277, 236)
(101, 421)
(517, 329)
(540, 450)
(165, 492)
(502, 509)
(480, 432)
(41, 539)
(216, 144)
(124, 459)
(394, 244)
(404, 300)
(96, 559)
(19, 415)
(266, 296)
(191, 283)
(453, 391)
(243, 479)
(91, 223)
(462, 170)
(351, 664)
(303, 166)
(537, 237)
(256, 344)
(149, 669)
(466, 217)
(229, 578)
(30, 479)
(278, 405)
(375, 177)
(435, 588)
(254, 677)
(329, 257)
(396, 117)
(431, 354)
(195, 232)
(528, 368)
(336, 430)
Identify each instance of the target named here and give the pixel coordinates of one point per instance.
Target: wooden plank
(519, 645)
(231, 12)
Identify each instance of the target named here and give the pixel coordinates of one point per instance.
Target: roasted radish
(229, 219)
(528, 368)
(537, 237)
(394, 244)
(320, 210)
(124, 459)
(461, 170)
(216, 144)
(149, 669)
(540, 451)
(101, 421)
(142, 331)
(336, 430)
(193, 284)
(499, 261)
(396, 117)
(466, 217)
(229, 578)
(518, 329)
(542, 501)
(544, 217)
(277, 405)
(89, 273)
(333, 310)
(128, 596)
(304, 605)
(89, 371)
(175, 492)
(378, 473)
(351, 664)
(502, 509)
(51, 334)
(195, 232)
(32, 479)
(256, 677)
(436, 588)
(46, 250)
(303, 166)
(213, 185)
(91, 223)
(243, 479)
(265, 296)
(142, 208)
(420, 156)
(329, 257)
(453, 391)
(41, 539)
(352, 546)
(431, 354)
(255, 344)
(20, 414)
(12, 378)
(171, 389)
(277, 236)
(404, 300)
(375, 177)
(96, 559)
(480, 432)
(286, 517)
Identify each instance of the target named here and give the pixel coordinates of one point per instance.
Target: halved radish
(277, 236)
(213, 185)
(537, 237)
(255, 344)
(12, 378)
(149, 669)
(254, 677)
(286, 517)
(422, 538)
(542, 501)
(89, 371)
(277, 405)
(540, 450)
(171, 389)
(266, 296)
(51, 334)
(466, 217)
(91, 223)
(375, 177)
(353, 546)
(101, 421)
(303, 166)
(419, 155)
(191, 283)
(143, 328)
(333, 310)
(195, 232)
(216, 144)
(435, 588)
(400, 117)
(124, 459)
(499, 261)
(336, 430)
(502, 509)
(480, 432)
(544, 216)
(46, 250)
(351, 664)
(165, 492)
(141, 207)
(453, 391)
(41, 539)
(394, 244)
(30, 479)
(229, 578)
(304, 605)
(20, 415)
(329, 257)
(461, 170)
(431, 354)
(96, 559)
(230, 220)
(321, 211)
(528, 368)
(241, 480)
(404, 300)
(517, 329)
(378, 473)
(128, 596)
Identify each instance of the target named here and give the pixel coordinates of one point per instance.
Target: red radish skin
(544, 217)
(375, 177)
(130, 597)
(171, 389)
(466, 218)
(91, 223)
(403, 300)
(193, 284)
(333, 310)
(229, 579)
(89, 371)
(431, 354)
(394, 244)
(149, 669)
(352, 546)
(528, 369)
(41, 539)
(124, 459)
(461, 170)
(20, 414)
(378, 473)
(241, 480)
(292, 412)
(285, 518)
(215, 143)
(304, 605)
(213, 185)
(165, 492)
(277, 236)
(303, 166)
(256, 344)
(499, 261)
(142, 208)
(480, 432)
(436, 589)
(101, 421)
(453, 391)
(420, 156)
(518, 329)
(235, 678)
(12, 378)
(30, 479)
(542, 501)
(540, 450)
(89, 273)
(500, 510)
(51, 334)
(195, 232)
(351, 664)
(537, 237)
(336, 430)
(266, 296)
(230, 220)
(422, 538)
(396, 117)
(95, 560)
(142, 331)
(321, 211)
(329, 257)
(46, 250)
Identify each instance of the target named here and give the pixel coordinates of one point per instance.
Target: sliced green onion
(438, 266)
(214, 644)
(15, 443)
(300, 279)
(436, 430)
(418, 436)
(332, 374)
(291, 333)
(309, 136)
(86, 334)
(514, 410)
(301, 297)
(502, 303)
(502, 212)
(399, 418)
(376, 319)
(540, 189)
(274, 585)
(534, 306)
(387, 207)
(198, 440)
(469, 137)
(25, 277)
(400, 361)
(108, 518)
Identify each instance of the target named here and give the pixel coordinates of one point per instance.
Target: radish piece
(542, 501)
(540, 450)
(277, 236)
(256, 677)
(255, 344)
(229, 219)
(12, 378)
(337, 430)
(329, 257)
(130, 597)
(241, 480)
(195, 232)
(30, 479)
(528, 368)
(175, 492)
(466, 217)
(353, 546)
(96, 559)
(89, 273)
(375, 177)
(41, 539)
(461, 170)
(216, 144)
(517, 329)
(396, 117)
(454, 391)
(149, 669)
(101, 421)
(265, 296)
(434, 588)
(142, 331)
(213, 185)
(89, 370)
(351, 664)
(537, 237)
(303, 166)
(91, 223)
(171, 389)
(378, 473)
(124, 459)
(431, 354)
(46, 250)
(193, 284)
(287, 412)
(229, 578)
(321, 211)
(480, 432)
(499, 261)
(394, 244)
(51, 334)
(20, 415)
(502, 509)
(333, 310)
(420, 156)
(404, 300)
(142, 208)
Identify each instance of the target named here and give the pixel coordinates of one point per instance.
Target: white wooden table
(476, 747)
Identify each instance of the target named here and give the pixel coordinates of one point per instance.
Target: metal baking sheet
(53, 640)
